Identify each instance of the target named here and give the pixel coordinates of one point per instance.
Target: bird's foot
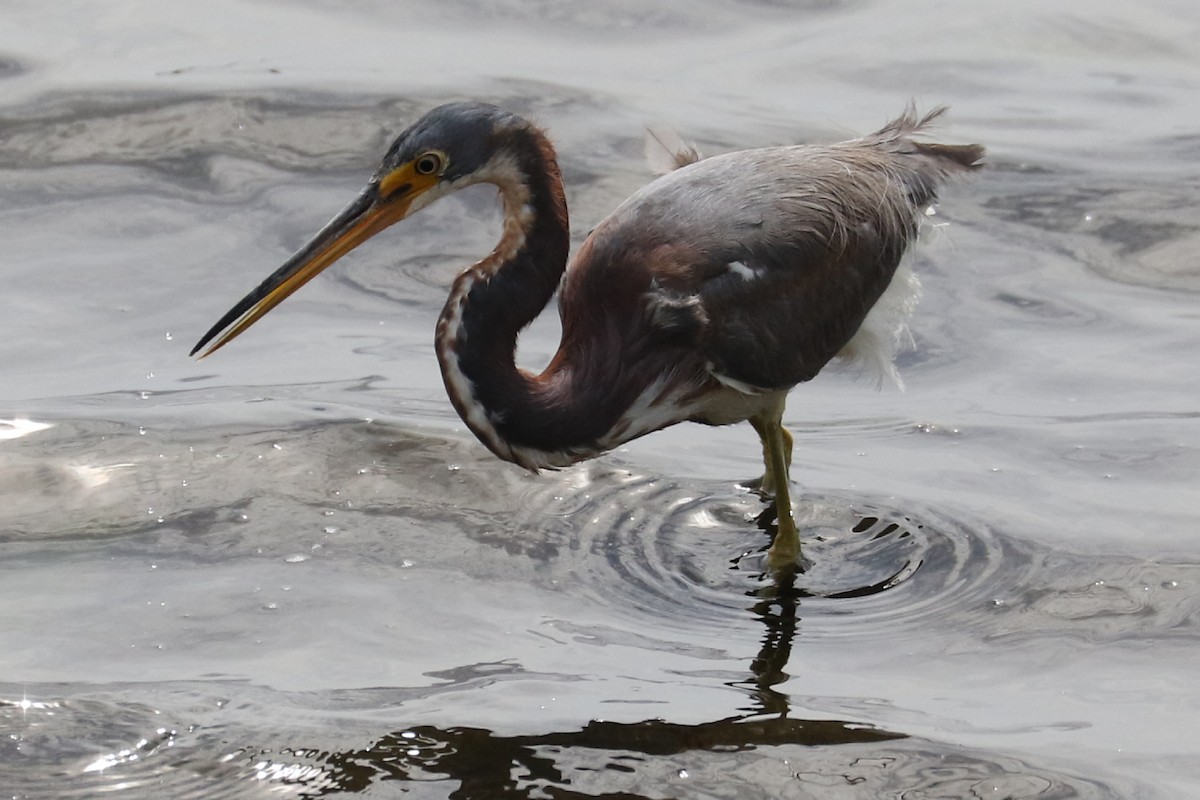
(764, 485)
(784, 555)
(753, 484)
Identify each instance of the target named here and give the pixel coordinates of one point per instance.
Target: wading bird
(705, 297)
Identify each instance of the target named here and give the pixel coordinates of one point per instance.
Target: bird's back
(767, 261)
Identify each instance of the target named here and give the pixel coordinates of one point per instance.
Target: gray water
(289, 570)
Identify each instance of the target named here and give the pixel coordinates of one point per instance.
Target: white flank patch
(874, 346)
(734, 383)
(655, 408)
(742, 271)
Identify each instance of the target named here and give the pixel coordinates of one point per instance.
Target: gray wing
(767, 261)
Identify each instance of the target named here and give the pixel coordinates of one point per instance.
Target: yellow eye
(428, 164)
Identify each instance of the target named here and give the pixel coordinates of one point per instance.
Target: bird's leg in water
(777, 453)
(767, 483)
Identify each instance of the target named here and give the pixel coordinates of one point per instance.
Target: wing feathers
(667, 151)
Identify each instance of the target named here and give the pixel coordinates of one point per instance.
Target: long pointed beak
(370, 213)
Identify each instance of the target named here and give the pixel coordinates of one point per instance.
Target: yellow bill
(382, 203)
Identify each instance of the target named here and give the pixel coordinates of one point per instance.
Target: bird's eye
(428, 164)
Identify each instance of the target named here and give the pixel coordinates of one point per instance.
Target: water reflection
(741, 757)
(485, 764)
(777, 609)
(765, 753)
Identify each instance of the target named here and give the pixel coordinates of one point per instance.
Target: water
(288, 569)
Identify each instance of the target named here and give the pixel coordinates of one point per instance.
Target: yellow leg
(777, 453)
(767, 484)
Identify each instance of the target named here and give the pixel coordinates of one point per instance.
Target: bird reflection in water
(486, 764)
(705, 297)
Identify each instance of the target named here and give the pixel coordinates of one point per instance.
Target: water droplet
(277, 446)
(453, 467)
(1170, 584)
(408, 562)
(149, 375)
(363, 470)
(271, 607)
(408, 735)
(330, 529)
(296, 558)
(141, 431)
(683, 773)
(145, 395)
(169, 337)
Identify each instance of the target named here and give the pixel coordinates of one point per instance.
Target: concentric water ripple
(693, 554)
(696, 554)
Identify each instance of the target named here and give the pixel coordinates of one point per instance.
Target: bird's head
(452, 146)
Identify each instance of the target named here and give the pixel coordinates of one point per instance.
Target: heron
(705, 297)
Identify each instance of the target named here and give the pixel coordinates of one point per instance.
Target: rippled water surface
(288, 569)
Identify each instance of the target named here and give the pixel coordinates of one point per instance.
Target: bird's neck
(491, 301)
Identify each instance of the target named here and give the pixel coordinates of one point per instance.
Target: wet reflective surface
(288, 570)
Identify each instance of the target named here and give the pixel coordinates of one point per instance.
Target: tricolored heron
(705, 297)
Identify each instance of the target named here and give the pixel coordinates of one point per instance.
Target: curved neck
(493, 300)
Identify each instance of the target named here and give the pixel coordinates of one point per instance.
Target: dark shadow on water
(489, 765)
(735, 758)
